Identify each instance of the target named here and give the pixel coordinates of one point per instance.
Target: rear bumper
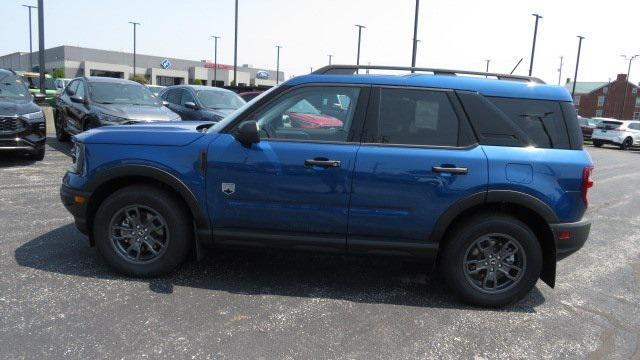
(570, 237)
(78, 209)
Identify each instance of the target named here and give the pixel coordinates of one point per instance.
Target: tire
(459, 248)
(627, 143)
(37, 155)
(61, 134)
(597, 143)
(176, 237)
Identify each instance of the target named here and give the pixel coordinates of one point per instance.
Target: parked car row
(605, 131)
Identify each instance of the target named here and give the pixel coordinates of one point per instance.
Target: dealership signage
(211, 65)
(264, 75)
(166, 64)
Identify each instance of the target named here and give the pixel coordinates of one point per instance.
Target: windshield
(231, 117)
(610, 125)
(12, 87)
(116, 93)
(213, 99)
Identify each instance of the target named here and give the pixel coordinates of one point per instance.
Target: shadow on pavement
(62, 147)
(358, 279)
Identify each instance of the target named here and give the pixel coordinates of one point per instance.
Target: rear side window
(541, 120)
(416, 117)
(610, 125)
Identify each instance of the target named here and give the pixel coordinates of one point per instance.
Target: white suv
(622, 133)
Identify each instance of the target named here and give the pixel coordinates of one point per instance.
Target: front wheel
(491, 260)
(597, 143)
(627, 143)
(143, 231)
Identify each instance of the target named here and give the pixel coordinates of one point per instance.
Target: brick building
(604, 99)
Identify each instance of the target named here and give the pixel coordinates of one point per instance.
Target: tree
(139, 79)
(197, 82)
(57, 73)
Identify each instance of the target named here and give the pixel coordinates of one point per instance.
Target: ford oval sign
(264, 75)
(166, 64)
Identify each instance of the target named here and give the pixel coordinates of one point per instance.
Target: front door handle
(451, 170)
(322, 162)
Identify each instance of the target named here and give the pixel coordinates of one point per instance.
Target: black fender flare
(200, 218)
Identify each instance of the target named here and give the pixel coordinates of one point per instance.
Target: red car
(303, 115)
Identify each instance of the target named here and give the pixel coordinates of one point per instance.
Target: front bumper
(31, 137)
(72, 199)
(570, 237)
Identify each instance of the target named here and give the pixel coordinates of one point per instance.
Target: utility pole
(41, 43)
(487, 61)
(560, 70)
(30, 37)
(330, 56)
(235, 50)
(626, 88)
(278, 65)
(533, 47)
(215, 60)
(135, 24)
(415, 35)
(575, 76)
(360, 27)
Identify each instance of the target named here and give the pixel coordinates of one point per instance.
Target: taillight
(587, 183)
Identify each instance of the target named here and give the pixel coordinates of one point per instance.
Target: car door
(293, 187)
(418, 158)
(77, 111)
(66, 106)
(634, 128)
(189, 113)
(173, 97)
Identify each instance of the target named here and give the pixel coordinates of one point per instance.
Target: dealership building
(158, 70)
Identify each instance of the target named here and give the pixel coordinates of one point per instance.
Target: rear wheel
(143, 231)
(597, 143)
(491, 260)
(627, 143)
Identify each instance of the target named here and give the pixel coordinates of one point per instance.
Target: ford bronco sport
(482, 175)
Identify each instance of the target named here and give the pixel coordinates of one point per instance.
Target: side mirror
(70, 92)
(247, 133)
(165, 103)
(77, 99)
(191, 105)
(39, 98)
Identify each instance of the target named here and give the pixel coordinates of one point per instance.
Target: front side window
(80, 89)
(309, 113)
(416, 117)
(13, 87)
(186, 97)
(173, 96)
(541, 120)
(122, 93)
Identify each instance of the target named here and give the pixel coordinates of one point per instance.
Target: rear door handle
(451, 170)
(322, 162)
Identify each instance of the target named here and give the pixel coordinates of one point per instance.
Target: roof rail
(353, 69)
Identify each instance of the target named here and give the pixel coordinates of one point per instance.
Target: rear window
(610, 125)
(541, 120)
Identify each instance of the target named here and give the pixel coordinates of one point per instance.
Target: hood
(173, 133)
(313, 120)
(10, 107)
(137, 112)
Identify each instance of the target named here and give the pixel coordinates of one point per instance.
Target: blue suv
(482, 176)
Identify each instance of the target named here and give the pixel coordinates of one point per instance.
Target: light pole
(278, 47)
(533, 47)
(215, 60)
(626, 88)
(360, 27)
(415, 36)
(330, 56)
(560, 70)
(235, 50)
(135, 24)
(30, 37)
(487, 61)
(41, 43)
(575, 76)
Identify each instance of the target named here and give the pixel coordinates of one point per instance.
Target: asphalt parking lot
(58, 299)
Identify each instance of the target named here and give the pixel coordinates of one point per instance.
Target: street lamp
(278, 64)
(235, 49)
(41, 44)
(135, 24)
(533, 47)
(575, 76)
(626, 88)
(30, 37)
(360, 27)
(330, 56)
(560, 70)
(415, 36)
(215, 60)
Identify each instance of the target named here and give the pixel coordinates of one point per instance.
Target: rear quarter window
(541, 120)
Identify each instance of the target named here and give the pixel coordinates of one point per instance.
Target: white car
(60, 84)
(622, 133)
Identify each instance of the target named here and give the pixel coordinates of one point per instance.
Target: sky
(453, 34)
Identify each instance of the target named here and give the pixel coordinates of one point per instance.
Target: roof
(200, 87)
(109, 80)
(485, 86)
(585, 87)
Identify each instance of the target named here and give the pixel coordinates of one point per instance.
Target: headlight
(37, 116)
(110, 119)
(77, 156)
